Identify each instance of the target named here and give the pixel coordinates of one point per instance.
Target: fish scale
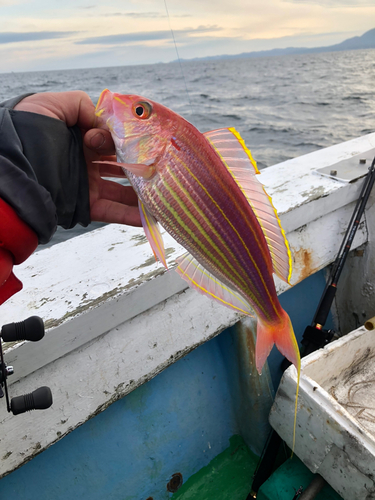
(220, 185)
(202, 189)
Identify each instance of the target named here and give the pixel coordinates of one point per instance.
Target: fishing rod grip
(325, 306)
(30, 329)
(40, 399)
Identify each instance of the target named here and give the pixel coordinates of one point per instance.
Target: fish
(202, 188)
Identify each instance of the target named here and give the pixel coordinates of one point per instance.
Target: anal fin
(206, 283)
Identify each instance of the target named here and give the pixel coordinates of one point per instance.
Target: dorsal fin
(206, 283)
(231, 148)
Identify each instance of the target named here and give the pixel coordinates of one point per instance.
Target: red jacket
(17, 243)
(43, 183)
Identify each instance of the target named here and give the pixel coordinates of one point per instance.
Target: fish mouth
(102, 99)
(104, 106)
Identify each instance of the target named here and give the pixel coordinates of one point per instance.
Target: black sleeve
(43, 174)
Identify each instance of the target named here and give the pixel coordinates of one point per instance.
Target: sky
(63, 34)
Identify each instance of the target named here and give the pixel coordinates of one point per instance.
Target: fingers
(112, 202)
(106, 170)
(118, 193)
(109, 201)
(100, 141)
(111, 211)
(73, 107)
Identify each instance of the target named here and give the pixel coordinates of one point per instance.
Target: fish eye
(142, 110)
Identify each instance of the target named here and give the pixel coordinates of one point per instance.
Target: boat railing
(115, 318)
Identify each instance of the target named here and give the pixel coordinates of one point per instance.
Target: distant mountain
(366, 41)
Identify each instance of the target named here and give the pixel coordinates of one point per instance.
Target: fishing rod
(31, 329)
(178, 56)
(314, 336)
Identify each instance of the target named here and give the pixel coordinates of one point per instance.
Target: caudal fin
(282, 335)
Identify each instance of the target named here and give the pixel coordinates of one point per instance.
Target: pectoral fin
(145, 171)
(204, 282)
(237, 158)
(151, 228)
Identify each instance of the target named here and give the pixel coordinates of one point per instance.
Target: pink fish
(203, 190)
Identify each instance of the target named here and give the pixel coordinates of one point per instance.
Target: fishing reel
(31, 329)
(315, 338)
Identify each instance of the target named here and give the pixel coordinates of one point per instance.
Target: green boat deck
(229, 477)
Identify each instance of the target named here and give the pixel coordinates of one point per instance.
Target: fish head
(139, 127)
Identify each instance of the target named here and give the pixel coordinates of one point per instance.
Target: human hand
(109, 201)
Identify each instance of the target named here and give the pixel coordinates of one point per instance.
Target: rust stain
(175, 483)
(303, 260)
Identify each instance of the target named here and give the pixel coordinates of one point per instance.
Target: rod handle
(30, 329)
(40, 399)
(325, 306)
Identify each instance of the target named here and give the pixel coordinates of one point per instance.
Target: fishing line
(178, 56)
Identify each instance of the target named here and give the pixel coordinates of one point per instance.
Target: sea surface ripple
(283, 106)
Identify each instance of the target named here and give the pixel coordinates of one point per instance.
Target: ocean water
(283, 106)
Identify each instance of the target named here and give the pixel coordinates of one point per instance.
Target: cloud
(147, 36)
(143, 15)
(136, 15)
(335, 3)
(16, 37)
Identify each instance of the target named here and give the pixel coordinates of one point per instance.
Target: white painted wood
(334, 439)
(116, 318)
(109, 367)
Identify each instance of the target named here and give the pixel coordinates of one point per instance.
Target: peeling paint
(152, 260)
(140, 239)
(314, 193)
(88, 304)
(149, 262)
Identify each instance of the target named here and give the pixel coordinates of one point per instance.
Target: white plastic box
(335, 434)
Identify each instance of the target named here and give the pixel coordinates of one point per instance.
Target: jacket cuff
(43, 170)
(13, 101)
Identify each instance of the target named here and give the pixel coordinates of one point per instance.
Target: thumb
(100, 141)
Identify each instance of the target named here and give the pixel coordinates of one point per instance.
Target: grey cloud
(124, 38)
(31, 36)
(336, 3)
(136, 15)
(146, 36)
(139, 15)
(143, 15)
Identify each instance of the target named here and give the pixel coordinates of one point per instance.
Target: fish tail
(281, 333)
